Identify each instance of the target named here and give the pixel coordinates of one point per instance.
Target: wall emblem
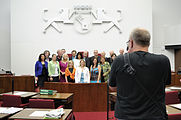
(83, 18)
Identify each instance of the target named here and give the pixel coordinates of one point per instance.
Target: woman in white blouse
(82, 73)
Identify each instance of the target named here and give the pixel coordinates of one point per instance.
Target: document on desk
(54, 114)
(20, 93)
(2, 109)
(39, 113)
(178, 106)
(10, 110)
(175, 88)
(167, 89)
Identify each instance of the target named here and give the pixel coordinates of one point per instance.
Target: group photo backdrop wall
(28, 39)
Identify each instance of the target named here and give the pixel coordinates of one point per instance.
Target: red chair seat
(13, 101)
(1, 102)
(93, 115)
(174, 116)
(41, 103)
(171, 97)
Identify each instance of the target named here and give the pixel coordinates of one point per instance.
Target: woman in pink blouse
(63, 65)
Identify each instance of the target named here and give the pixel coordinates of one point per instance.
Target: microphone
(2, 69)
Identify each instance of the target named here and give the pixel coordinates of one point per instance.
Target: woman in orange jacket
(70, 72)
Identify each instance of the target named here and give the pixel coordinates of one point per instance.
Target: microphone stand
(12, 84)
(12, 79)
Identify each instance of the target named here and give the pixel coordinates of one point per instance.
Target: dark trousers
(41, 80)
(56, 79)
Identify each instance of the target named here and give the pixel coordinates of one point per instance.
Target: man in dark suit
(109, 59)
(59, 55)
(86, 58)
(74, 52)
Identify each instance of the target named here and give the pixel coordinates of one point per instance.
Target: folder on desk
(46, 92)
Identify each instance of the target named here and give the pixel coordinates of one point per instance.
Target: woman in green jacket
(105, 70)
(54, 69)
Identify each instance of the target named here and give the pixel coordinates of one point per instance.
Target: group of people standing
(78, 68)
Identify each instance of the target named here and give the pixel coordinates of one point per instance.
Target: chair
(82, 52)
(93, 115)
(41, 103)
(13, 101)
(171, 97)
(174, 116)
(71, 117)
(1, 102)
(69, 55)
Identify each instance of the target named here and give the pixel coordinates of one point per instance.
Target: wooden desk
(113, 95)
(25, 114)
(4, 116)
(25, 95)
(172, 110)
(64, 97)
(175, 80)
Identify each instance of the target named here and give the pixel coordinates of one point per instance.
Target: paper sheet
(55, 114)
(167, 89)
(176, 106)
(11, 110)
(175, 88)
(2, 109)
(20, 93)
(39, 113)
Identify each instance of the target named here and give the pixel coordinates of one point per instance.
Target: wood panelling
(21, 83)
(177, 59)
(175, 80)
(87, 97)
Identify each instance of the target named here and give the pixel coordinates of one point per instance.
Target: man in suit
(109, 59)
(59, 55)
(86, 58)
(74, 52)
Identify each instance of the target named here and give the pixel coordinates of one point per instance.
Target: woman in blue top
(41, 71)
(95, 72)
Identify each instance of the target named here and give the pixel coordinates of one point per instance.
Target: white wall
(28, 41)
(166, 13)
(5, 35)
(172, 34)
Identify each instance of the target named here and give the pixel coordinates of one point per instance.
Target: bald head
(141, 37)
(121, 51)
(85, 54)
(111, 52)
